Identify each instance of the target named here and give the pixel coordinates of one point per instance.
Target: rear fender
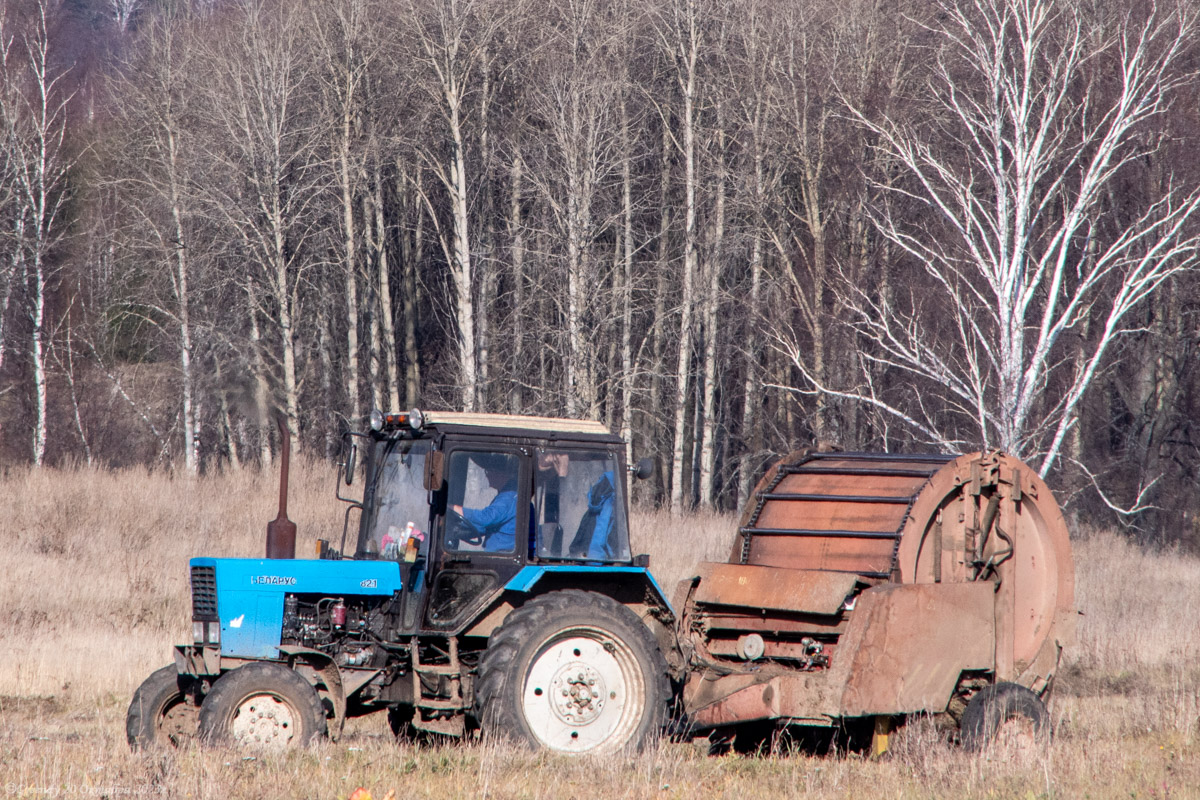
(620, 583)
(633, 587)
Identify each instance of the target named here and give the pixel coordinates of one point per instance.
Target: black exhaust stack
(281, 531)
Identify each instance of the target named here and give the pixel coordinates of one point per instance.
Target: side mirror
(351, 463)
(645, 468)
(435, 465)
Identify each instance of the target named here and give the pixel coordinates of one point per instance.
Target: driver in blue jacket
(497, 521)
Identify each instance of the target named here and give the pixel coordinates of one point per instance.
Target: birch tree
(452, 37)
(681, 34)
(266, 185)
(576, 107)
(33, 113)
(153, 188)
(341, 38)
(1011, 187)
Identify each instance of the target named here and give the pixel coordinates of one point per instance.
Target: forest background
(726, 229)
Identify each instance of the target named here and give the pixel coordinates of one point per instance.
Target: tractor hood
(246, 594)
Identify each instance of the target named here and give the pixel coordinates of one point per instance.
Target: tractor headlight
(376, 420)
(206, 632)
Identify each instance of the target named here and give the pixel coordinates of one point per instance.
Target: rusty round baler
(878, 585)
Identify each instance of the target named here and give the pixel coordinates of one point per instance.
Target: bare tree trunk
(460, 253)
(627, 377)
(516, 232)
(374, 307)
(712, 306)
(607, 394)
(183, 298)
(486, 267)
(688, 44)
(411, 253)
(39, 356)
(325, 354)
(262, 391)
(751, 429)
(385, 289)
(658, 367)
(349, 264)
(287, 334)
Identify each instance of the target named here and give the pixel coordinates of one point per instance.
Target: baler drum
(843, 512)
(1023, 547)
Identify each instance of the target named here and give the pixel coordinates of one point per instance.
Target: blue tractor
(490, 587)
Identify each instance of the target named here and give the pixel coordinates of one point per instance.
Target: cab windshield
(401, 504)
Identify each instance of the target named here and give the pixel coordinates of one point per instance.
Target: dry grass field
(94, 593)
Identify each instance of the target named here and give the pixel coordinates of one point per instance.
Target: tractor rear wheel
(1004, 713)
(262, 705)
(162, 712)
(574, 672)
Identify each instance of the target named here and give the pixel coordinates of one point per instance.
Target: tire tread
(215, 712)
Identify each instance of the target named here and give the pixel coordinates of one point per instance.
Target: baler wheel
(574, 672)
(161, 713)
(1003, 712)
(262, 705)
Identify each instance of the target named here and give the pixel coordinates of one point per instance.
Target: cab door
(482, 531)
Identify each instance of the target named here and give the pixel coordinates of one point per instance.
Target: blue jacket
(600, 503)
(498, 521)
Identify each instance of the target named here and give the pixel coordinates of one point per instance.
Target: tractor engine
(349, 630)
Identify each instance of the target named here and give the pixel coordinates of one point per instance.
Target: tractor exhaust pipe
(281, 531)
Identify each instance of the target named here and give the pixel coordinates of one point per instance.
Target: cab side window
(483, 504)
(579, 508)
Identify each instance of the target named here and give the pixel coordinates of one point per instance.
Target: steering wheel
(459, 530)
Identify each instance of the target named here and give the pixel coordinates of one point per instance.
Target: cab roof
(554, 425)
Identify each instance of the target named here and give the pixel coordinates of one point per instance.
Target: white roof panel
(556, 424)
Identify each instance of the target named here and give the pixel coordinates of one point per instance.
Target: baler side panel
(907, 645)
(778, 589)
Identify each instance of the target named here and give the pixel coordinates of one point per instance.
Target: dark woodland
(726, 229)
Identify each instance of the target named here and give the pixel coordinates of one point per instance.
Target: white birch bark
(453, 36)
(626, 265)
(262, 390)
(268, 184)
(712, 307)
(34, 131)
(383, 266)
(681, 38)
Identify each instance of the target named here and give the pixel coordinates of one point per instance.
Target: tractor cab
(465, 502)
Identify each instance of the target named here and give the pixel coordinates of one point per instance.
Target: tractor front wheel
(262, 705)
(162, 712)
(574, 672)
